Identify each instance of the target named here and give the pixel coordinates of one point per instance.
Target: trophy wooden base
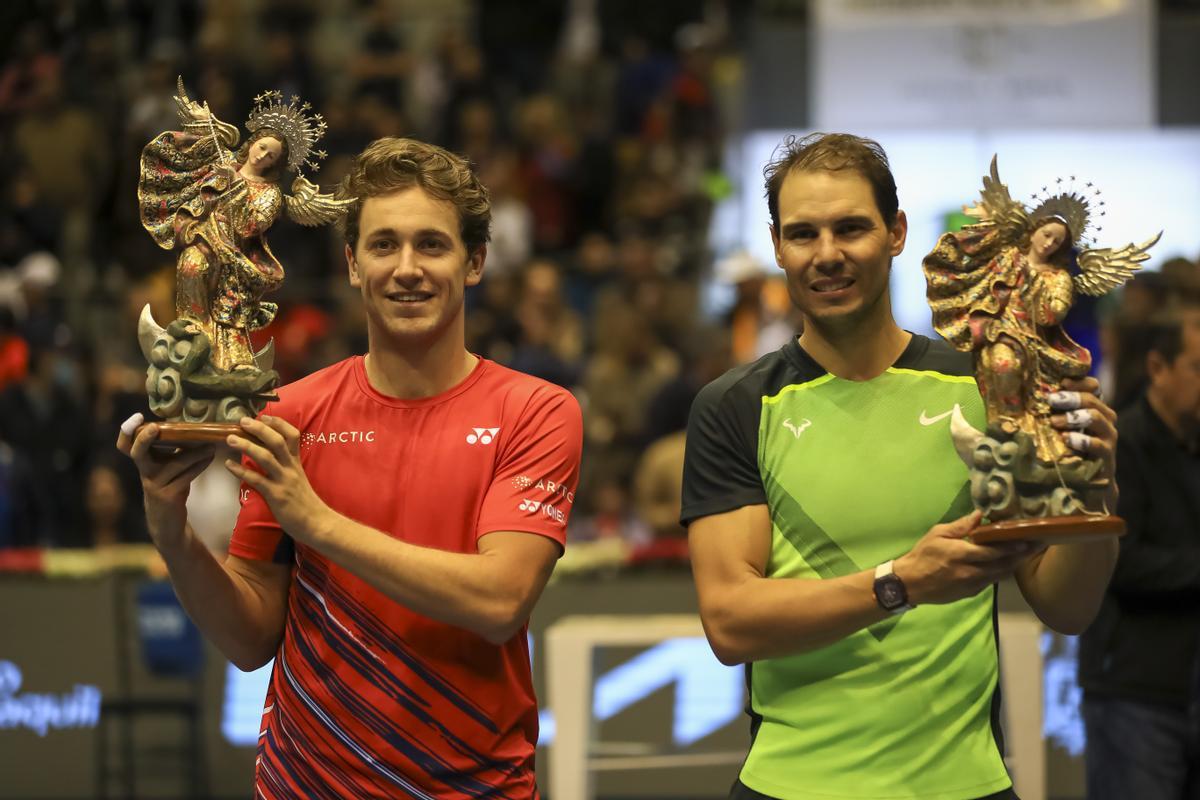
(1051, 530)
(184, 434)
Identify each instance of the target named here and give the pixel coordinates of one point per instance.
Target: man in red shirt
(401, 514)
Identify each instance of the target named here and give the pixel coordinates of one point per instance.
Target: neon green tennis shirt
(854, 473)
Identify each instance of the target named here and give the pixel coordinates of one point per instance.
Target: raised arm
(239, 605)
(490, 592)
(748, 616)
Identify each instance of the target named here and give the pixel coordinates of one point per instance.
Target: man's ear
(899, 233)
(475, 265)
(352, 267)
(1155, 365)
(775, 244)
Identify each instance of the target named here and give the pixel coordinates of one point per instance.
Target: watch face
(890, 593)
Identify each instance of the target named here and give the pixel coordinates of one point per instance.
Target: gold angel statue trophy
(1000, 289)
(212, 202)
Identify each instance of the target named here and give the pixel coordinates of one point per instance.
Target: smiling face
(412, 267)
(835, 247)
(1047, 241)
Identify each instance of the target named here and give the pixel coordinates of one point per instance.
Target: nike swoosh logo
(931, 420)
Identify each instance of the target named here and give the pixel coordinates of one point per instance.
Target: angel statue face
(264, 155)
(1048, 241)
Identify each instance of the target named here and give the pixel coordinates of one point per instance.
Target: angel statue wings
(212, 202)
(1000, 289)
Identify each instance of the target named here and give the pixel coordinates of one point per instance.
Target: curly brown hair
(832, 152)
(391, 164)
(277, 169)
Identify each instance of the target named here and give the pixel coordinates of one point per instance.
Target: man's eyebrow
(857, 219)
(433, 232)
(375, 233)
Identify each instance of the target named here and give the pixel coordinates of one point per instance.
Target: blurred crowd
(1129, 319)
(598, 126)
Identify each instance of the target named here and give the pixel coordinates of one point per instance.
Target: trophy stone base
(1074, 529)
(183, 434)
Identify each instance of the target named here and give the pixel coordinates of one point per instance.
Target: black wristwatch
(889, 590)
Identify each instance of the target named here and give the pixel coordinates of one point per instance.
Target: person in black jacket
(1138, 660)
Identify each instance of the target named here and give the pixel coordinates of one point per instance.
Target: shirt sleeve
(1156, 561)
(720, 464)
(256, 534)
(533, 487)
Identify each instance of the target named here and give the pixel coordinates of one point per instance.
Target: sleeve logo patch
(547, 510)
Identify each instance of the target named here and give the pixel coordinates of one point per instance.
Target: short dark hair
(1164, 335)
(832, 152)
(391, 164)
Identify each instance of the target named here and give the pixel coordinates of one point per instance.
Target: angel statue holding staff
(1000, 289)
(213, 202)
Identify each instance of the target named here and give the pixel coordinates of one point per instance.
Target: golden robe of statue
(1001, 289)
(212, 202)
(193, 201)
(990, 298)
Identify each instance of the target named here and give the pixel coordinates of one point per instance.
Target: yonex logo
(482, 435)
(797, 430)
(924, 420)
(548, 510)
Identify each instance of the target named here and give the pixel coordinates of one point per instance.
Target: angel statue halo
(1070, 208)
(1100, 269)
(301, 130)
(1000, 289)
(213, 204)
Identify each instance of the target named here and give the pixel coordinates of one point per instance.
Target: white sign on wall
(997, 64)
(43, 712)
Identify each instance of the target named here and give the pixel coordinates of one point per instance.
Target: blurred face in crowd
(1175, 384)
(105, 501)
(543, 285)
(1139, 301)
(412, 267)
(835, 248)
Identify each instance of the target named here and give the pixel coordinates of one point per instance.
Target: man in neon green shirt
(828, 517)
